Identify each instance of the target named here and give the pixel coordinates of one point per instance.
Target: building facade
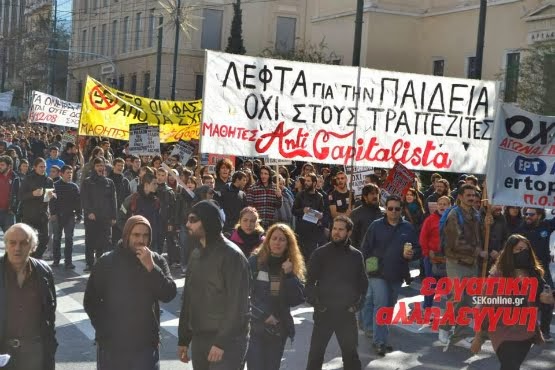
(420, 36)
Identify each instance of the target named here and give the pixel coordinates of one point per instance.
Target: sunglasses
(192, 219)
(394, 209)
(529, 214)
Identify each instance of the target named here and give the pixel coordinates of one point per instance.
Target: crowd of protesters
(252, 241)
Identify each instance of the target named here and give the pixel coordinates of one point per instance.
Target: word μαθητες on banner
(109, 112)
(52, 110)
(521, 160)
(299, 111)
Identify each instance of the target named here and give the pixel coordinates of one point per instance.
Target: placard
(185, 151)
(335, 114)
(521, 160)
(399, 180)
(144, 139)
(52, 110)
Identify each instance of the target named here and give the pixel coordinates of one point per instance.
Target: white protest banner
(6, 98)
(521, 160)
(359, 176)
(184, 149)
(55, 111)
(299, 111)
(144, 139)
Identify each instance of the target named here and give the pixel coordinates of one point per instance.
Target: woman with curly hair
(248, 233)
(278, 270)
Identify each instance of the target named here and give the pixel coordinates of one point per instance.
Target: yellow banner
(109, 112)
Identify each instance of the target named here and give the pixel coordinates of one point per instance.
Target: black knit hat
(209, 214)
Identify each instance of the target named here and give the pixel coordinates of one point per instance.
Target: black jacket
(362, 217)
(33, 207)
(336, 278)
(167, 204)
(67, 202)
(232, 200)
(184, 202)
(122, 297)
(48, 311)
(122, 187)
(98, 196)
(216, 294)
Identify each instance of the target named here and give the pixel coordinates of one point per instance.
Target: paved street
(414, 347)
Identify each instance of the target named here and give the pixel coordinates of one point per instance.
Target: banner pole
(486, 231)
(352, 172)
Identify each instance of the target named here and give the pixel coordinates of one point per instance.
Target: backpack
(443, 222)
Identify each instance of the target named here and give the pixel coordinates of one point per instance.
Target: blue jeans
(7, 219)
(117, 359)
(183, 245)
(380, 294)
(429, 299)
(265, 350)
(67, 225)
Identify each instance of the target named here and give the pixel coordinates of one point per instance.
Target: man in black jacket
(123, 190)
(336, 286)
(28, 296)
(365, 214)
(309, 229)
(214, 312)
(122, 297)
(167, 217)
(233, 199)
(98, 198)
(34, 208)
(65, 210)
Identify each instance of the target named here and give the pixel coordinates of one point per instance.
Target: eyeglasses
(192, 219)
(394, 209)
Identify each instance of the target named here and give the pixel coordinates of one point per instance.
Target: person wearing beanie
(215, 310)
(122, 300)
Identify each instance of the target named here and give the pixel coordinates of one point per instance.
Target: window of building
(114, 42)
(105, 3)
(84, 43)
(470, 67)
(93, 41)
(285, 34)
(125, 35)
(211, 29)
(439, 67)
(133, 87)
(151, 26)
(138, 31)
(199, 86)
(103, 39)
(511, 76)
(146, 84)
(95, 4)
(121, 82)
(79, 91)
(85, 6)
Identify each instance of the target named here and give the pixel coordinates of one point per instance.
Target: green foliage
(235, 41)
(305, 52)
(536, 85)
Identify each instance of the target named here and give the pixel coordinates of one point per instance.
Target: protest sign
(398, 182)
(144, 139)
(109, 112)
(185, 151)
(67, 138)
(359, 176)
(313, 112)
(6, 98)
(52, 110)
(521, 160)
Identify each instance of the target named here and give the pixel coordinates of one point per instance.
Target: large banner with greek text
(521, 160)
(52, 110)
(109, 112)
(334, 114)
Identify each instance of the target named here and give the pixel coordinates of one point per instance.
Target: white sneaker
(443, 336)
(464, 343)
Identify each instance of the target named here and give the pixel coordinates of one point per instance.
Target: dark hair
(393, 198)
(7, 160)
(267, 168)
(464, 187)
(312, 176)
(148, 178)
(447, 185)
(38, 161)
(154, 159)
(133, 157)
(370, 188)
(65, 168)
(223, 162)
(69, 145)
(347, 220)
(417, 200)
(98, 160)
(118, 160)
(435, 176)
(539, 211)
(472, 178)
(207, 176)
(55, 167)
(239, 175)
(53, 147)
(505, 262)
